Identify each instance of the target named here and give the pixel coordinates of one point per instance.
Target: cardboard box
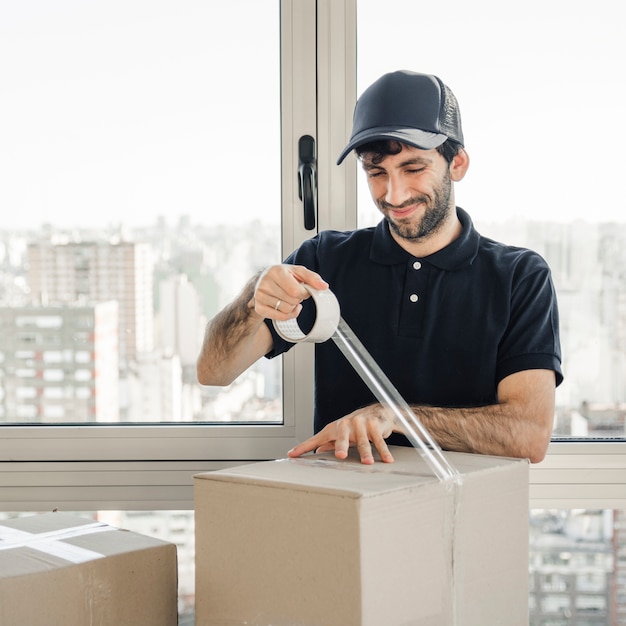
(316, 541)
(62, 570)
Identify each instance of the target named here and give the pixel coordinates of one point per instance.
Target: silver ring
(277, 305)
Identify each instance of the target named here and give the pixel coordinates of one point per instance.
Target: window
(164, 94)
(124, 176)
(536, 196)
(526, 89)
(136, 219)
(135, 216)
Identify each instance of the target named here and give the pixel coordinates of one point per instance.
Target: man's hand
(362, 428)
(237, 337)
(279, 291)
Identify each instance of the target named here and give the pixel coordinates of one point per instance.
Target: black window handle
(307, 179)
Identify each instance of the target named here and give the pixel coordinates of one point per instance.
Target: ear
(459, 165)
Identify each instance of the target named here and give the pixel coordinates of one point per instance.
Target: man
(464, 327)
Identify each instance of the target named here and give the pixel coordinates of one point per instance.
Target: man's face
(412, 189)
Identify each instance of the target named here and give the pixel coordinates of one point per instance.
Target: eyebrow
(411, 161)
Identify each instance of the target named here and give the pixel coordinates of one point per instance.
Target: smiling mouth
(408, 209)
(402, 212)
(405, 209)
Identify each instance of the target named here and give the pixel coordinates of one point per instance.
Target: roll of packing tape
(327, 316)
(328, 324)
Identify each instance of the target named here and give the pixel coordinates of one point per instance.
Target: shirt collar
(460, 253)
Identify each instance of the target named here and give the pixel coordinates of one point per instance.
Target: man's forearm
(230, 345)
(499, 429)
(519, 425)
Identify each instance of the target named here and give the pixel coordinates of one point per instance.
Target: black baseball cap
(416, 109)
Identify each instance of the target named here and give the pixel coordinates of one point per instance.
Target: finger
(381, 446)
(312, 443)
(271, 301)
(302, 448)
(309, 277)
(363, 442)
(289, 281)
(274, 297)
(342, 438)
(273, 307)
(280, 291)
(282, 310)
(286, 282)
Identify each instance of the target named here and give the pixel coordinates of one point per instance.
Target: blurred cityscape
(105, 326)
(577, 568)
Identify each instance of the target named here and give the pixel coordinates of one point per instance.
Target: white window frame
(580, 475)
(151, 467)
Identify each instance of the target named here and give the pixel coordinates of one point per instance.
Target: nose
(397, 190)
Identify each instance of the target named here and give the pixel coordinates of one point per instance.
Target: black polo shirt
(445, 329)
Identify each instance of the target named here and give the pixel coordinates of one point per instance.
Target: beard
(438, 209)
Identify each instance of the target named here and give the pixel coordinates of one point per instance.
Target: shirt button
(417, 265)
(414, 297)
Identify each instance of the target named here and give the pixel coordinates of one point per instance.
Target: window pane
(131, 215)
(536, 106)
(533, 102)
(577, 567)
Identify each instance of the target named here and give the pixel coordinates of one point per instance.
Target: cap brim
(410, 136)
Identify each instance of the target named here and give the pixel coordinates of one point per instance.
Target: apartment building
(59, 363)
(95, 271)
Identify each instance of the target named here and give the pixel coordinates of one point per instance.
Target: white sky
(127, 109)
(118, 110)
(542, 91)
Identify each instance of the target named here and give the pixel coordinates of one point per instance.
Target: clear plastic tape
(326, 319)
(53, 542)
(450, 478)
(329, 324)
(390, 398)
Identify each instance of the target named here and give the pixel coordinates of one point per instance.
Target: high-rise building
(59, 363)
(180, 319)
(89, 272)
(155, 390)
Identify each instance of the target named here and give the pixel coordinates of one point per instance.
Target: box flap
(409, 471)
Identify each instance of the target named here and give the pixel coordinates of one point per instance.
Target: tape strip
(328, 317)
(329, 324)
(53, 542)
